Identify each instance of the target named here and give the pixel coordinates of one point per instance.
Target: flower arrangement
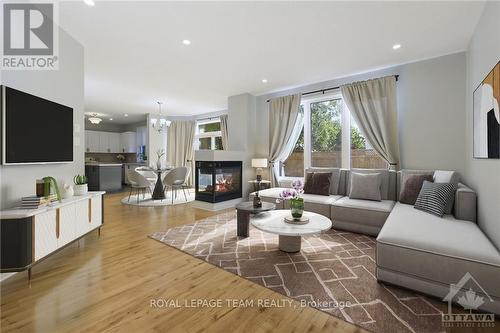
(120, 157)
(293, 195)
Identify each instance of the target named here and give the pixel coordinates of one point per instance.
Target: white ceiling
(134, 54)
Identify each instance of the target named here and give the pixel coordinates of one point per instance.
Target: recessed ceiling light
(89, 2)
(186, 42)
(396, 46)
(110, 118)
(126, 114)
(264, 80)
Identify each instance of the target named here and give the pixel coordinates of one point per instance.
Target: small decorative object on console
(49, 184)
(67, 191)
(81, 187)
(296, 202)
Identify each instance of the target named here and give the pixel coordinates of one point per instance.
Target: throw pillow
(366, 186)
(434, 197)
(452, 177)
(318, 183)
(412, 187)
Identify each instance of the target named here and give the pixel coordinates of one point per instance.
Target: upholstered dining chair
(139, 182)
(176, 179)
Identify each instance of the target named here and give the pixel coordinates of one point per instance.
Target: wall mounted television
(35, 130)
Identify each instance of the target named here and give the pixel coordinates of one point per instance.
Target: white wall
(431, 111)
(484, 174)
(64, 86)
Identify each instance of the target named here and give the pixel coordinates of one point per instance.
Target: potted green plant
(81, 186)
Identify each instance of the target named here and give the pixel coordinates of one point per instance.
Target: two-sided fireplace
(218, 181)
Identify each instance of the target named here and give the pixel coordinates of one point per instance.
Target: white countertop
(273, 222)
(103, 164)
(19, 213)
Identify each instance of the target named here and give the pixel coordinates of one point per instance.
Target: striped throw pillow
(434, 197)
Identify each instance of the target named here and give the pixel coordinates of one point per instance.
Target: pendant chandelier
(160, 124)
(94, 119)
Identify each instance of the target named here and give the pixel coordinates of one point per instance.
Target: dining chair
(139, 182)
(176, 179)
(148, 174)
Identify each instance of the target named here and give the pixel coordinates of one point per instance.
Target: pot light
(186, 42)
(396, 46)
(89, 2)
(110, 118)
(95, 119)
(125, 115)
(264, 80)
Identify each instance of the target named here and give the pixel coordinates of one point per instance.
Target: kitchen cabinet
(110, 142)
(91, 141)
(128, 142)
(141, 136)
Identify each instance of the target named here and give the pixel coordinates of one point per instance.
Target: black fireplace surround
(218, 181)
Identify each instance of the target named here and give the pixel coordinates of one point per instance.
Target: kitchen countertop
(103, 164)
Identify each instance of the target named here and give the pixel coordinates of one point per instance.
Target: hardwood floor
(107, 284)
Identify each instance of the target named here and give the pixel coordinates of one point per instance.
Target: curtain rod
(208, 118)
(327, 89)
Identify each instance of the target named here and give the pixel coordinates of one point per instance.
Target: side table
(243, 210)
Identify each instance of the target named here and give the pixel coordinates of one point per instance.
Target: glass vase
(297, 208)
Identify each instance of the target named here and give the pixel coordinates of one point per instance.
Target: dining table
(158, 192)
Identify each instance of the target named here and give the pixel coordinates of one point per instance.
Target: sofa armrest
(465, 203)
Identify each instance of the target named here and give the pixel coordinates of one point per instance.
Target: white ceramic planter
(81, 189)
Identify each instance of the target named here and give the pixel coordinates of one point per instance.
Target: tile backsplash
(110, 157)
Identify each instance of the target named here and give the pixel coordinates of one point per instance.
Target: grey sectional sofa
(415, 249)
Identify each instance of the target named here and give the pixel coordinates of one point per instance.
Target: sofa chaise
(415, 249)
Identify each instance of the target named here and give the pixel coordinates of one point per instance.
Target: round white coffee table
(290, 234)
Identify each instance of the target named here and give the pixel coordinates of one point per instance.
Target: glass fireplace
(218, 181)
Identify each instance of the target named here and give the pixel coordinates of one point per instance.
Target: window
(362, 154)
(208, 135)
(330, 138)
(326, 133)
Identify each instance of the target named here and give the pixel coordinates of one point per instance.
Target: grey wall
(431, 111)
(484, 174)
(64, 86)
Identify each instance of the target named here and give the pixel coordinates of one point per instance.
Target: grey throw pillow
(366, 186)
(434, 197)
(445, 176)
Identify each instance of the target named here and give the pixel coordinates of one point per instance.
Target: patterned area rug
(335, 267)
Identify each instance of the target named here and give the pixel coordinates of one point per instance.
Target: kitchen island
(104, 176)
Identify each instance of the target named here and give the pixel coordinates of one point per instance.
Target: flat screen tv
(35, 130)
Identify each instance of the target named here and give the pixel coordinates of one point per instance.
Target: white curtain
(373, 105)
(180, 150)
(285, 125)
(223, 130)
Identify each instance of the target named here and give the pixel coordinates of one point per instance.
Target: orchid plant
(292, 193)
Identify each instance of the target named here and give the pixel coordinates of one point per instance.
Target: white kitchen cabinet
(128, 142)
(115, 143)
(45, 234)
(103, 142)
(67, 225)
(91, 141)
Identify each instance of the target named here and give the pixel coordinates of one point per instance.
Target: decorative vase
(67, 191)
(81, 189)
(158, 164)
(297, 208)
